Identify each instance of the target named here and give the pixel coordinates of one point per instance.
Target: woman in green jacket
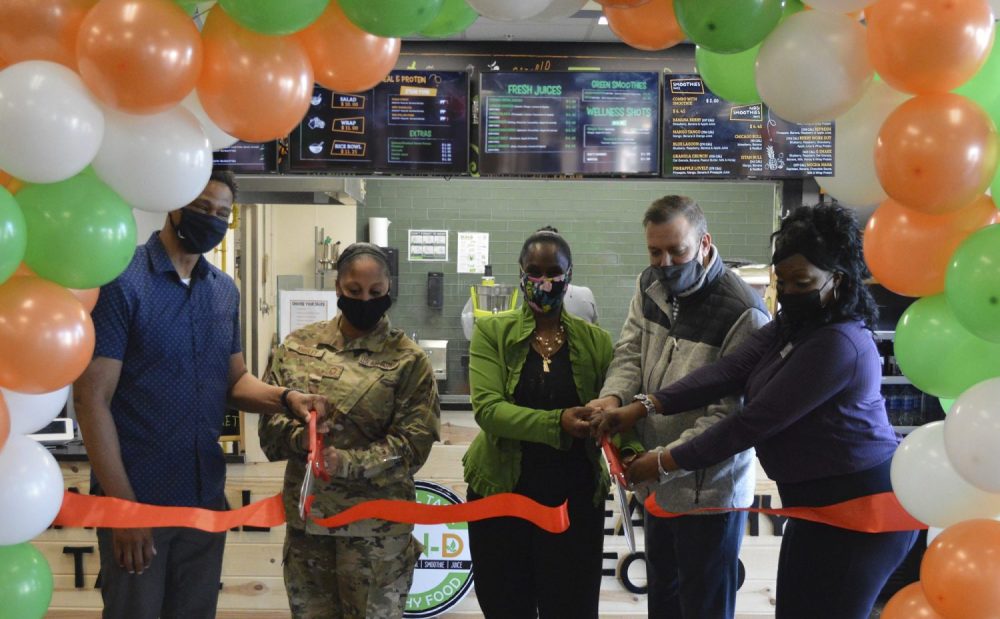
(529, 372)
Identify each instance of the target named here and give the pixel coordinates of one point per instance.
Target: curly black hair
(546, 234)
(829, 237)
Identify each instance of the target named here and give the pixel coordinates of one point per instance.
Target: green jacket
(497, 353)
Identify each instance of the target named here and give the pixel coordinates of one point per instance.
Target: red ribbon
(874, 513)
(79, 510)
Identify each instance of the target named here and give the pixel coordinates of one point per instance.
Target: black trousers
(523, 572)
(827, 572)
(692, 565)
(182, 582)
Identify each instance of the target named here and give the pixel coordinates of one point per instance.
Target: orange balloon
(4, 423)
(139, 56)
(908, 252)
(11, 184)
(87, 298)
(909, 603)
(33, 30)
(960, 571)
(46, 336)
(650, 26)
(924, 46)
(24, 270)
(936, 153)
(254, 87)
(344, 57)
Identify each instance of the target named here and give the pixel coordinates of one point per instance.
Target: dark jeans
(692, 565)
(827, 572)
(182, 582)
(523, 572)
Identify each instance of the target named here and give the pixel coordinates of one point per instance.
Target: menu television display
(569, 123)
(248, 158)
(414, 122)
(706, 136)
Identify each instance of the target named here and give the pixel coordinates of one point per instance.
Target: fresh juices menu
(580, 123)
(708, 137)
(413, 122)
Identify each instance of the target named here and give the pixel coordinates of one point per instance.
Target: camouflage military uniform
(385, 415)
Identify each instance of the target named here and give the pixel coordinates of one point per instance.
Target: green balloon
(972, 283)
(946, 404)
(455, 17)
(938, 354)
(81, 234)
(984, 87)
(274, 17)
(731, 76)
(25, 582)
(791, 7)
(391, 18)
(725, 26)
(13, 235)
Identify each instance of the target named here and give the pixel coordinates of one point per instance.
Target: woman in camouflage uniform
(385, 415)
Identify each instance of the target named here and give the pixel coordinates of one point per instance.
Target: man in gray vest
(688, 310)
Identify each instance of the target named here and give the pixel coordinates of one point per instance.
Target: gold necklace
(546, 348)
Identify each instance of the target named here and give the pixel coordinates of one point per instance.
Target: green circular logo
(444, 570)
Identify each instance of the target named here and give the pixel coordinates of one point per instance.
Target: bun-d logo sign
(444, 570)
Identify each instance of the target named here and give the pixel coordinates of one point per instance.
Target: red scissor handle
(614, 462)
(316, 460)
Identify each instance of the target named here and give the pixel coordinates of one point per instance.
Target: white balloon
(50, 126)
(995, 5)
(31, 490)
(932, 532)
(559, 9)
(972, 435)
(509, 10)
(855, 132)
(157, 162)
(31, 412)
(929, 487)
(839, 6)
(813, 67)
(216, 136)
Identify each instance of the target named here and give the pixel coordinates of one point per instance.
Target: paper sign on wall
(428, 245)
(473, 252)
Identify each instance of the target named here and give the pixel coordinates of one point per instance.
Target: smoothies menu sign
(708, 137)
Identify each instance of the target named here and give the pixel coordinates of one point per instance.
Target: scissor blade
(626, 518)
(305, 491)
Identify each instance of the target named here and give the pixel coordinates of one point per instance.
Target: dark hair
(227, 178)
(547, 234)
(828, 236)
(357, 251)
(668, 207)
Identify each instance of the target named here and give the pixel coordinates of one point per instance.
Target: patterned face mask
(544, 294)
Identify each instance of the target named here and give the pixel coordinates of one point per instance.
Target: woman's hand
(643, 469)
(616, 421)
(575, 421)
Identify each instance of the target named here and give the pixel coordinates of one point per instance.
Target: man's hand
(133, 549)
(575, 421)
(301, 403)
(615, 421)
(605, 403)
(643, 468)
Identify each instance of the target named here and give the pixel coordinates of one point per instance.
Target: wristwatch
(647, 402)
(284, 402)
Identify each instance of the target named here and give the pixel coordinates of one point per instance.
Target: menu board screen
(569, 123)
(413, 122)
(248, 157)
(708, 137)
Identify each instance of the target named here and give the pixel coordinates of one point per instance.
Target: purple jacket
(812, 410)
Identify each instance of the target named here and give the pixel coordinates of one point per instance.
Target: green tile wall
(600, 219)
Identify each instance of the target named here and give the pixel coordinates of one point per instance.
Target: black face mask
(802, 308)
(680, 278)
(199, 233)
(364, 315)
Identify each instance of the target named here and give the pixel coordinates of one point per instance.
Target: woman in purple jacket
(814, 411)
